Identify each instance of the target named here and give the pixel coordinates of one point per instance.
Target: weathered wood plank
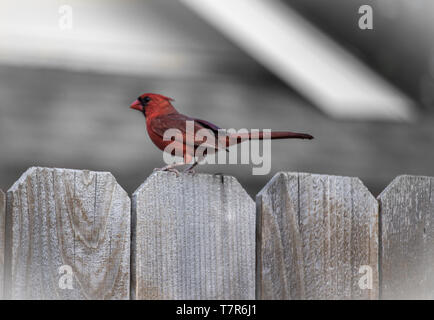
(195, 238)
(314, 233)
(407, 238)
(62, 220)
(2, 240)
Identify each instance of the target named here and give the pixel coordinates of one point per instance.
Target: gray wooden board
(58, 218)
(407, 238)
(2, 240)
(314, 233)
(195, 238)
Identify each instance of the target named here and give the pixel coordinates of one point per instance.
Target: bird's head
(151, 103)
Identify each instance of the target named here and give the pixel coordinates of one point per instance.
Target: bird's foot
(190, 168)
(190, 171)
(169, 170)
(174, 171)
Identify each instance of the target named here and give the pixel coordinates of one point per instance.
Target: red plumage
(161, 116)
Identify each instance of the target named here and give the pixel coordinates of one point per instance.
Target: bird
(161, 115)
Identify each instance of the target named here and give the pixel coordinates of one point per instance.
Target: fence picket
(407, 238)
(195, 238)
(315, 233)
(61, 221)
(2, 240)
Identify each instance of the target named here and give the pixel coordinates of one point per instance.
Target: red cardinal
(161, 115)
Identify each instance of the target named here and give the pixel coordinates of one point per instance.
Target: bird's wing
(208, 125)
(195, 137)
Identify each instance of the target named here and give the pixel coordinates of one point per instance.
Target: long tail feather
(260, 136)
(288, 135)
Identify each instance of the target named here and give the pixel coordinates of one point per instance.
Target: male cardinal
(161, 115)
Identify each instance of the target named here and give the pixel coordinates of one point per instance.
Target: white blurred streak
(306, 59)
(108, 36)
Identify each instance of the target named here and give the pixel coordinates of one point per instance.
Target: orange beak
(136, 105)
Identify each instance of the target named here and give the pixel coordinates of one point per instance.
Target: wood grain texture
(314, 233)
(407, 238)
(2, 240)
(59, 217)
(195, 238)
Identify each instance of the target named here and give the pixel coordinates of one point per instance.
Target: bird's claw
(174, 171)
(191, 171)
(168, 169)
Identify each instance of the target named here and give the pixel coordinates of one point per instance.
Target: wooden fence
(70, 234)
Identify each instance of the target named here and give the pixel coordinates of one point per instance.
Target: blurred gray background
(64, 94)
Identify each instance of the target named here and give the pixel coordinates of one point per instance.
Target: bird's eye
(144, 100)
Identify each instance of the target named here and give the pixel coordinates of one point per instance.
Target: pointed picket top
(2, 240)
(396, 182)
(194, 238)
(317, 238)
(68, 236)
(407, 238)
